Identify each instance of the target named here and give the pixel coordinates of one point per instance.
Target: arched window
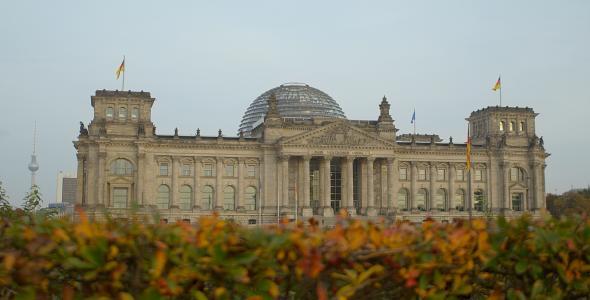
(163, 197)
(521, 127)
(229, 198)
(459, 203)
(516, 174)
(502, 125)
(186, 194)
(440, 199)
(122, 112)
(402, 199)
(479, 201)
(421, 197)
(512, 126)
(250, 198)
(207, 197)
(517, 201)
(121, 167)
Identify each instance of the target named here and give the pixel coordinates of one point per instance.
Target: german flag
(498, 85)
(121, 68)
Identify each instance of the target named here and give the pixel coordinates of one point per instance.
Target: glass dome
(295, 100)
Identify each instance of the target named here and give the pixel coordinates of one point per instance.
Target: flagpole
(123, 84)
(500, 78)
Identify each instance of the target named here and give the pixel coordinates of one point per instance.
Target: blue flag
(413, 117)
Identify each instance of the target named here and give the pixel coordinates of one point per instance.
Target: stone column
(325, 165)
(306, 210)
(81, 181)
(285, 203)
(240, 191)
(371, 211)
(451, 193)
(139, 178)
(350, 186)
(506, 185)
(196, 184)
(391, 203)
(218, 202)
(100, 182)
(174, 183)
(431, 193)
(413, 175)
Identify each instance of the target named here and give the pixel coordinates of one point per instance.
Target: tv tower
(33, 165)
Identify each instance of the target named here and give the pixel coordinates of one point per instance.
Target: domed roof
(295, 100)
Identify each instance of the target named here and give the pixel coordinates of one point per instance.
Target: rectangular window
(135, 113)
(441, 174)
(164, 169)
(109, 112)
(251, 169)
(521, 127)
(421, 174)
(120, 197)
(460, 175)
(122, 112)
(186, 170)
(479, 175)
(403, 173)
(230, 170)
(208, 170)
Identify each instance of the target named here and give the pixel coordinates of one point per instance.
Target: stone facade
(301, 168)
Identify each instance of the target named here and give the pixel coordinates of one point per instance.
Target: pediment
(337, 134)
(518, 185)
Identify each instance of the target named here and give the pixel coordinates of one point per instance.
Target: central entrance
(335, 184)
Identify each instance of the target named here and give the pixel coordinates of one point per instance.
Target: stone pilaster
(391, 203)
(240, 190)
(100, 182)
(306, 210)
(413, 175)
(349, 162)
(174, 183)
(451, 184)
(81, 180)
(506, 185)
(327, 208)
(285, 203)
(431, 193)
(371, 211)
(196, 183)
(218, 202)
(140, 178)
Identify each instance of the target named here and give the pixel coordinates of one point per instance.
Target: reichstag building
(297, 156)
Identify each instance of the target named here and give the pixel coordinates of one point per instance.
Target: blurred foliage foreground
(215, 259)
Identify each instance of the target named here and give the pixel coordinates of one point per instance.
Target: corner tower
(514, 126)
(120, 113)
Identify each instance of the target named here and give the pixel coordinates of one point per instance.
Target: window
(163, 200)
(479, 175)
(251, 171)
(207, 197)
(186, 194)
(512, 126)
(208, 170)
(403, 173)
(422, 174)
(521, 127)
(440, 199)
(186, 170)
(502, 125)
(229, 198)
(251, 221)
(121, 167)
(134, 113)
(402, 199)
(441, 174)
(479, 200)
(120, 197)
(459, 203)
(109, 112)
(421, 197)
(460, 174)
(163, 169)
(517, 201)
(122, 113)
(516, 174)
(250, 198)
(230, 170)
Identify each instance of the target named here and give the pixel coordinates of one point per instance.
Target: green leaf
(521, 267)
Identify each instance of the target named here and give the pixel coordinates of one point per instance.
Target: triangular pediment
(337, 134)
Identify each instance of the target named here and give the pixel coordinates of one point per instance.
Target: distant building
(298, 156)
(66, 188)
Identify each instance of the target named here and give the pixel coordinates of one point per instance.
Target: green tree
(4, 204)
(32, 199)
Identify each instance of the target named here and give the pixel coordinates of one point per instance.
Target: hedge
(216, 259)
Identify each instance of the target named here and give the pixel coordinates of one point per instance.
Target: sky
(206, 61)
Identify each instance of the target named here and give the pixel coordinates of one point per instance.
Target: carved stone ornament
(341, 135)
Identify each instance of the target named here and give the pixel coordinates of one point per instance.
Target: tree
(32, 199)
(569, 203)
(4, 204)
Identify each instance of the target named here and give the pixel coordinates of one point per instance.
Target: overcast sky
(206, 61)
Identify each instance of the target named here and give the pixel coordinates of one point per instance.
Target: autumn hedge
(215, 259)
